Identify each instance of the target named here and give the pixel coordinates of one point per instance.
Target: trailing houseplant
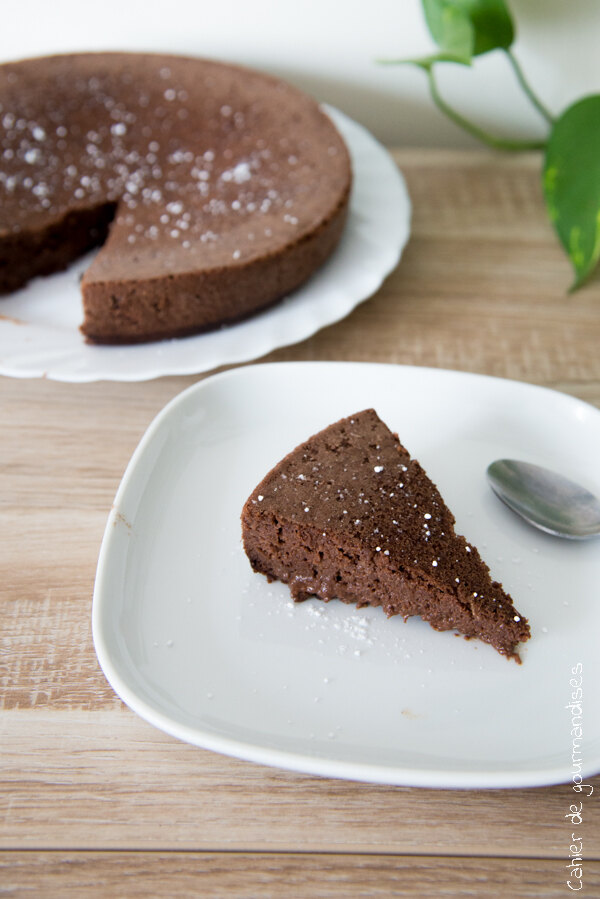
(466, 29)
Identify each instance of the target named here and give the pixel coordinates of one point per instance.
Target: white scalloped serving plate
(39, 325)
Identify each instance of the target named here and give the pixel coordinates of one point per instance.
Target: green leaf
(571, 180)
(450, 27)
(469, 27)
(426, 62)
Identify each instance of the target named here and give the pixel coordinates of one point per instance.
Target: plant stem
(527, 88)
(497, 143)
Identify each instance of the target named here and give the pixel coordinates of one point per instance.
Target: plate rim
(324, 766)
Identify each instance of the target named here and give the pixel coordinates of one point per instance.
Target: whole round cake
(212, 190)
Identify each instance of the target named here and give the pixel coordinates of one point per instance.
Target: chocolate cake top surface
(355, 478)
(209, 163)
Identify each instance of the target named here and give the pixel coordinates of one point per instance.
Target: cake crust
(213, 190)
(350, 515)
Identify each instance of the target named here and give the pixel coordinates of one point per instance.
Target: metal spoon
(545, 499)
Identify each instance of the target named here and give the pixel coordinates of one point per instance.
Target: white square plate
(208, 651)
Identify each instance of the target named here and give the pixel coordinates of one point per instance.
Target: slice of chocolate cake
(350, 515)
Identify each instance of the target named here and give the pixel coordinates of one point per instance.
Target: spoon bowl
(545, 499)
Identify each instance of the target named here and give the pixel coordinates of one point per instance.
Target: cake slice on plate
(350, 515)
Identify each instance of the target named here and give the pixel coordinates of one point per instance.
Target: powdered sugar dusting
(118, 138)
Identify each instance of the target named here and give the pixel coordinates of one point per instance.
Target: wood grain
(105, 779)
(271, 876)
(482, 285)
(482, 288)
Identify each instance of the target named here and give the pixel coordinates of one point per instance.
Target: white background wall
(330, 48)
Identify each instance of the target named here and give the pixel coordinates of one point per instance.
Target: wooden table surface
(94, 801)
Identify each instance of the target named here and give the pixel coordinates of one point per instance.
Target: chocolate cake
(350, 515)
(214, 190)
